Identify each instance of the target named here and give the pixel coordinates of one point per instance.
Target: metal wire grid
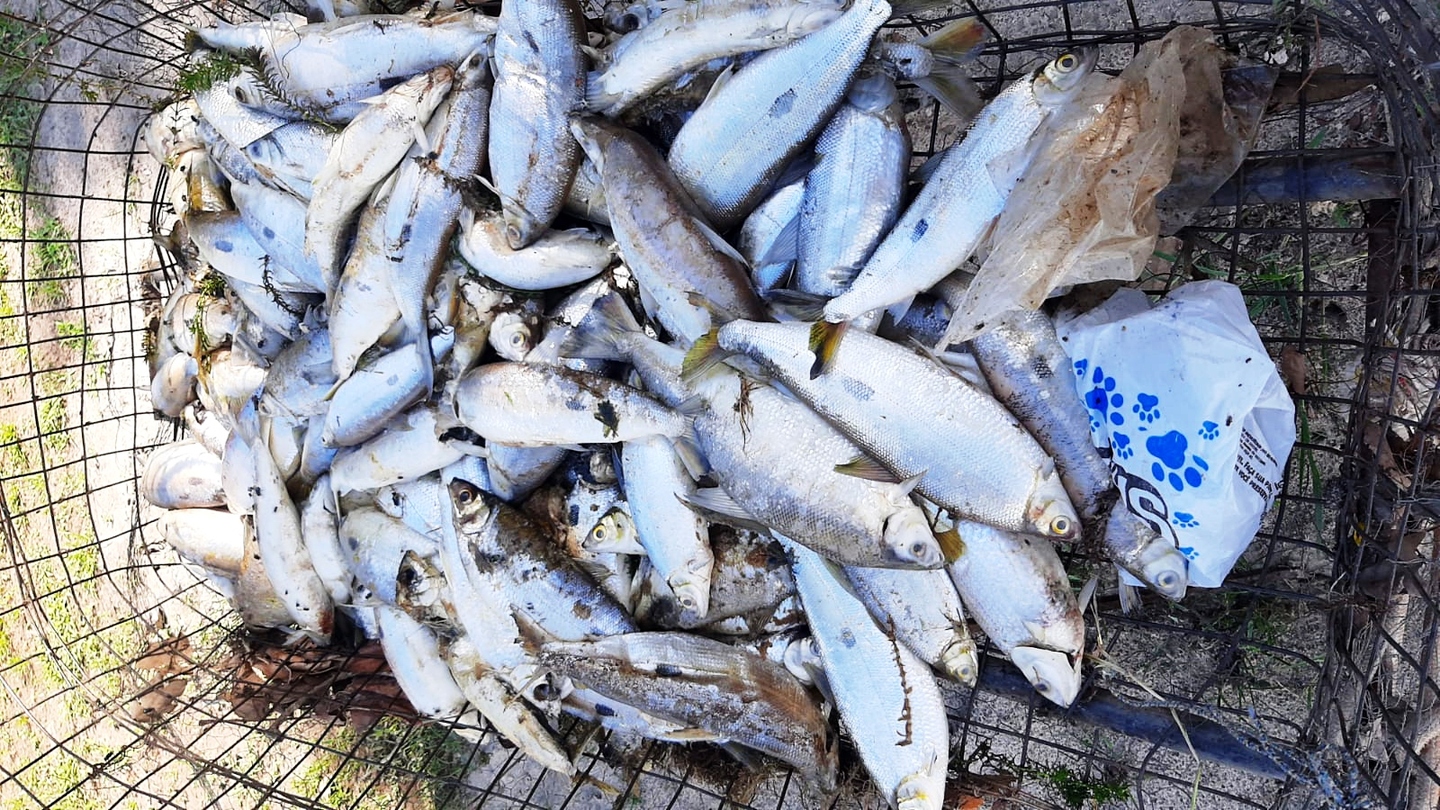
(67, 666)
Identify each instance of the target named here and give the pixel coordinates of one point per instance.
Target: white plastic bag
(1191, 412)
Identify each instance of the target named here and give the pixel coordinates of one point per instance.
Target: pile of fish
(471, 363)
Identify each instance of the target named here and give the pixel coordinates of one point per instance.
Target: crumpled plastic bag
(1191, 412)
(1085, 209)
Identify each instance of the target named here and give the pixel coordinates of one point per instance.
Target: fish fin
(909, 484)
(863, 466)
(841, 275)
(720, 81)
(951, 545)
(648, 303)
(687, 448)
(718, 501)
(1129, 597)
(898, 309)
(426, 362)
(719, 315)
(926, 170)
(718, 242)
(596, 99)
(786, 245)
(902, 8)
(825, 340)
(955, 41)
(532, 636)
(600, 330)
(751, 760)
(703, 356)
(802, 305)
(796, 170)
(693, 406)
(956, 91)
(690, 735)
(595, 570)
(1087, 593)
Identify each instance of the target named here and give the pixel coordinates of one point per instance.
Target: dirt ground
(84, 593)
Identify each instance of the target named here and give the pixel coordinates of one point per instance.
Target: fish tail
(825, 340)
(687, 448)
(596, 98)
(703, 356)
(949, 85)
(902, 8)
(956, 41)
(600, 333)
(802, 305)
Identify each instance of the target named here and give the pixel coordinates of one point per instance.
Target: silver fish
(922, 610)
(676, 539)
(893, 403)
(374, 545)
(319, 519)
(277, 221)
(853, 194)
(687, 36)
(769, 238)
(413, 653)
(407, 449)
(539, 85)
(182, 475)
(376, 393)
(943, 224)
(1146, 554)
(367, 151)
(555, 259)
(522, 404)
(538, 579)
(516, 329)
(1018, 592)
(735, 145)
(887, 698)
(729, 691)
(172, 389)
(210, 538)
(672, 252)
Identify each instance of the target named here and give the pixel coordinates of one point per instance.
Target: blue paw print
(1102, 398)
(1184, 520)
(1170, 466)
(1209, 430)
(1189, 552)
(1080, 366)
(1121, 444)
(1145, 407)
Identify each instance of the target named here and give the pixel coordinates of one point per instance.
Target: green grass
(52, 261)
(341, 782)
(20, 45)
(53, 421)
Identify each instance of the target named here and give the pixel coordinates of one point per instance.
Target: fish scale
(896, 405)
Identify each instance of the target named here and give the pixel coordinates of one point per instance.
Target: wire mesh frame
(154, 36)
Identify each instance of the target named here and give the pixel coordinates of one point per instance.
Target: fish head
(1051, 514)
(594, 136)
(874, 93)
(961, 662)
(512, 335)
(809, 16)
(1050, 672)
(692, 591)
(1164, 569)
(418, 585)
(614, 529)
(908, 541)
(629, 17)
(1059, 79)
(473, 506)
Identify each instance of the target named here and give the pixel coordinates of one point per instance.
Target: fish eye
(465, 496)
(1042, 687)
(1060, 526)
(917, 550)
(598, 532)
(1067, 62)
(1166, 580)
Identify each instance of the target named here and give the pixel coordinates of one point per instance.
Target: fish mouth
(960, 662)
(1051, 672)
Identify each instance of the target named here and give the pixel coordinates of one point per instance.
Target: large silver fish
(740, 139)
(1017, 591)
(853, 194)
(894, 403)
(687, 36)
(887, 698)
(708, 684)
(943, 224)
(539, 85)
(672, 252)
(922, 610)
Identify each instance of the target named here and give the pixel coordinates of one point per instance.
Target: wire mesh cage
(1311, 677)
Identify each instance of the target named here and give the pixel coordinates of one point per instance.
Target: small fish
(408, 448)
(521, 404)
(182, 475)
(319, 528)
(413, 652)
(675, 538)
(210, 538)
(729, 691)
(539, 85)
(555, 259)
(887, 698)
(516, 330)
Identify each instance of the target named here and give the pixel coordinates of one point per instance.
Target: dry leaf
(1292, 370)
